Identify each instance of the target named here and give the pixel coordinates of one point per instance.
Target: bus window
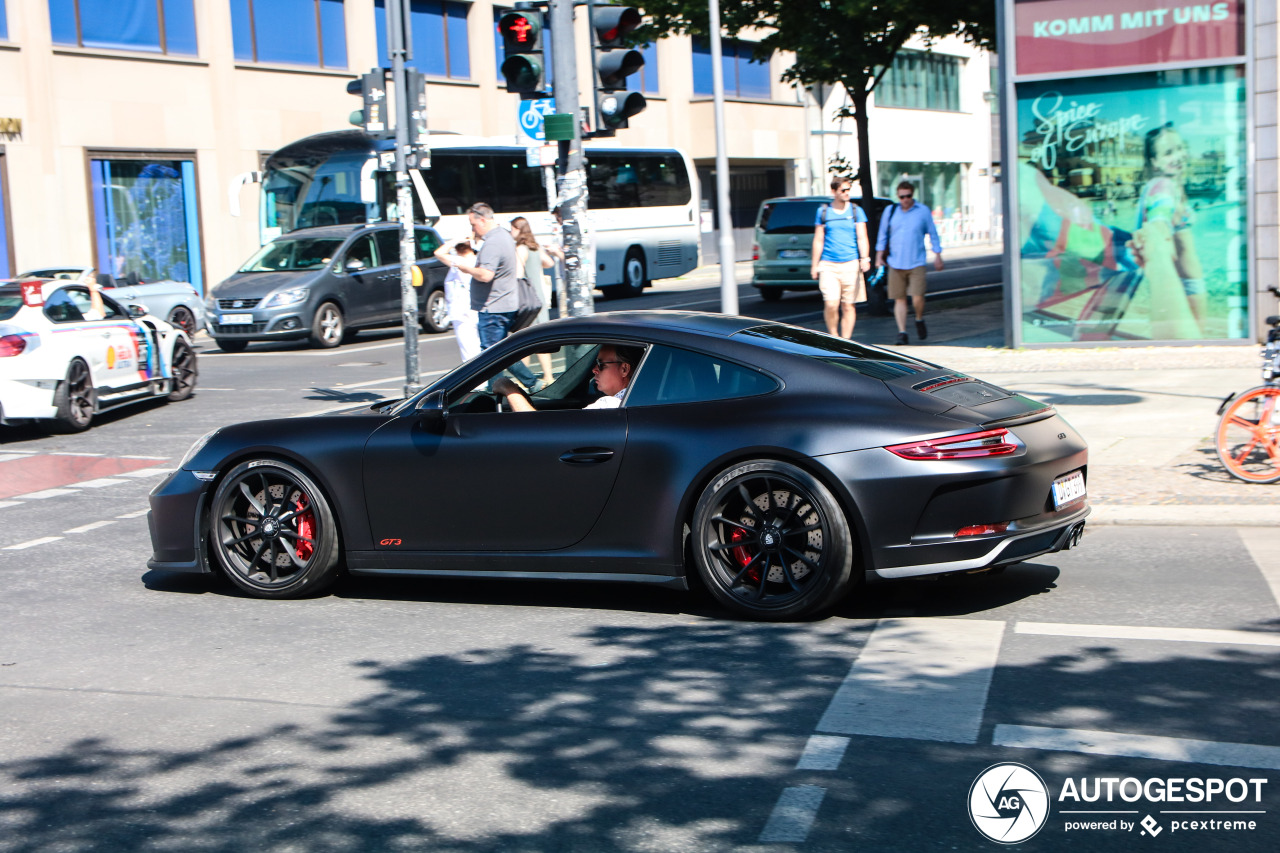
(623, 179)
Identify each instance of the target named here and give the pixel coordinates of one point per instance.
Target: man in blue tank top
(839, 258)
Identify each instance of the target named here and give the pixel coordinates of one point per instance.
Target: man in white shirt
(613, 371)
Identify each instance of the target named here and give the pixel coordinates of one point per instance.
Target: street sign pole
(398, 41)
(571, 176)
(728, 282)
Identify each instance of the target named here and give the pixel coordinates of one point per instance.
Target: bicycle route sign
(532, 116)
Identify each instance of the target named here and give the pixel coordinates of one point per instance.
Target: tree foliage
(850, 42)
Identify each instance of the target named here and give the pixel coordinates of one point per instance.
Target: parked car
(60, 363)
(323, 284)
(784, 242)
(778, 464)
(177, 302)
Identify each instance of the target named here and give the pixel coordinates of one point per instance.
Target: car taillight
(973, 445)
(12, 345)
(755, 251)
(982, 529)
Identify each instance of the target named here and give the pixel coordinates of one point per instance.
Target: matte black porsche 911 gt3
(779, 464)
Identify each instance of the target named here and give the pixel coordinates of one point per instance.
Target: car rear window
(789, 217)
(10, 301)
(876, 363)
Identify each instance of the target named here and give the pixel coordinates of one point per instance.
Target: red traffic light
(519, 31)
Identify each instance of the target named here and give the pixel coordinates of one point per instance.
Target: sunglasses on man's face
(908, 195)
(601, 364)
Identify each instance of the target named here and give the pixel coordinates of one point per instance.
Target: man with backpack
(902, 231)
(840, 256)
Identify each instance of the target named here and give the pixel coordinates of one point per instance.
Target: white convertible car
(61, 362)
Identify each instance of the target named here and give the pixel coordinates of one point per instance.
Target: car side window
(388, 246)
(428, 242)
(671, 375)
(60, 308)
(361, 250)
(74, 305)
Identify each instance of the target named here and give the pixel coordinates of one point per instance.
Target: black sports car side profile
(779, 465)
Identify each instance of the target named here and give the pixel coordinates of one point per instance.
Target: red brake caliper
(740, 554)
(306, 531)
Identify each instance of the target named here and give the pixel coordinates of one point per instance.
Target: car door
(388, 282)
(486, 480)
(367, 289)
(117, 355)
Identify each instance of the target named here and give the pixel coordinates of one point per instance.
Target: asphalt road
(144, 711)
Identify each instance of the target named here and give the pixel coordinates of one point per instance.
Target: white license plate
(1068, 489)
(237, 319)
(793, 253)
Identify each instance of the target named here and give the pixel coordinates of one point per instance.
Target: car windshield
(304, 253)
(10, 301)
(789, 217)
(869, 361)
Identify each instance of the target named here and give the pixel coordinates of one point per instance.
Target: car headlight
(197, 447)
(287, 297)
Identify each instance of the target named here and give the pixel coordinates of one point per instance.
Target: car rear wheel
(435, 313)
(272, 531)
(771, 294)
(184, 371)
(232, 346)
(633, 276)
(74, 399)
(771, 542)
(184, 319)
(327, 329)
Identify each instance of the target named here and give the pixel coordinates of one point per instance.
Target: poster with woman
(1132, 207)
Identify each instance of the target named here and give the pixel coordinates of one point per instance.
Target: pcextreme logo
(1008, 803)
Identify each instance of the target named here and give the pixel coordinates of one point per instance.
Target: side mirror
(434, 408)
(354, 265)
(137, 310)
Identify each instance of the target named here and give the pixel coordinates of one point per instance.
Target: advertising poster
(1132, 207)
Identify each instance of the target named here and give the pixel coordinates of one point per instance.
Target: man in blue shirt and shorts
(902, 230)
(840, 257)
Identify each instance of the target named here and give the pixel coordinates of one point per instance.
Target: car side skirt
(665, 581)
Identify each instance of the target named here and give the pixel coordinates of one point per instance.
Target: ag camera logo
(1008, 803)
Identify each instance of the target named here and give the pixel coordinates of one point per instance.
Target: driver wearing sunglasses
(613, 370)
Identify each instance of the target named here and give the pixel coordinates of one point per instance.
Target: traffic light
(614, 64)
(523, 65)
(372, 88)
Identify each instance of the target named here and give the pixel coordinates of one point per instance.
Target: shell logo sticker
(111, 357)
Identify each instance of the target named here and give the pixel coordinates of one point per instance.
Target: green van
(784, 242)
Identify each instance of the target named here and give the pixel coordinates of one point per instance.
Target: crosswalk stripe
(1264, 547)
(99, 483)
(822, 752)
(1135, 632)
(32, 543)
(1139, 746)
(47, 493)
(85, 528)
(793, 815)
(135, 514)
(925, 679)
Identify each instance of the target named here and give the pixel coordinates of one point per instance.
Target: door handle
(587, 456)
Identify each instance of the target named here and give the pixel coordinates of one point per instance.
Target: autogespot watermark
(1009, 803)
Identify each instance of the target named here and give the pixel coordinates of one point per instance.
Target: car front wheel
(74, 399)
(272, 531)
(327, 329)
(771, 542)
(435, 313)
(184, 371)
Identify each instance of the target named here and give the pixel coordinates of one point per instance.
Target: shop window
(921, 80)
(439, 37)
(145, 218)
(154, 26)
(744, 77)
(4, 23)
(290, 32)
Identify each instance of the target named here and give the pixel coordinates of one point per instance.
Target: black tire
(185, 371)
(74, 399)
(327, 327)
(771, 294)
(184, 319)
(231, 346)
(634, 277)
(435, 313)
(770, 542)
(272, 531)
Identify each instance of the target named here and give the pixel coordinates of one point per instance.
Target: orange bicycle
(1249, 430)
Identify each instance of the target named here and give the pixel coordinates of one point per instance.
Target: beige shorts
(841, 281)
(906, 282)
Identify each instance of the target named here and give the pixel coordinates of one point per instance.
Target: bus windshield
(307, 191)
(304, 253)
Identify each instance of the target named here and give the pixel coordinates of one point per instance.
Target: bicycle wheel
(1249, 436)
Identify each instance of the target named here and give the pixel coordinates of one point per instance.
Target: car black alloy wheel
(184, 371)
(771, 542)
(327, 329)
(435, 314)
(183, 319)
(272, 530)
(74, 399)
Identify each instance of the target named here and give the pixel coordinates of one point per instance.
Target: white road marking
(73, 453)
(32, 543)
(135, 514)
(925, 679)
(1264, 547)
(145, 472)
(1132, 632)
(1139, 746)
(99, 483)
(793, 815)
(157, 458)
(389, 381)
(47, 493)
(822, 752)
(85, 528)
(4, 504)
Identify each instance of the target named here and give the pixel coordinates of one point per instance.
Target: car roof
(623, 322)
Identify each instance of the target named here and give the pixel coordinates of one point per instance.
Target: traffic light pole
(571, 176)
(728, 281)
(398, 40)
